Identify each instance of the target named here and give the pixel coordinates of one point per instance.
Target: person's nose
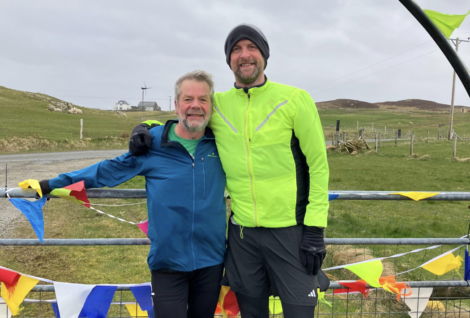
(245, 53)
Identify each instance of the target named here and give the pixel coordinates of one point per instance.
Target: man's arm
(308, 129)
(109, 173)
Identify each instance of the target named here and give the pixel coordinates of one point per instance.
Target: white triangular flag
(417, 301)
(71, 298)
(4, 311)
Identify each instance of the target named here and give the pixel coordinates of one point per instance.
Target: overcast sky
(96, 52)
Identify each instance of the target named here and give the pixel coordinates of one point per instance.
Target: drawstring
(241, 232)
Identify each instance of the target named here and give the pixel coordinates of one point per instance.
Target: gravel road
(41, 166)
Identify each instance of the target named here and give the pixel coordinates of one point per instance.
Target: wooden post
(337, 138)
(376, 144)
(81, 129)
(379, 137)
(396, 137)
(439, 133)
(427, 139)
(411, 143)
(455, 145)
(385, 130)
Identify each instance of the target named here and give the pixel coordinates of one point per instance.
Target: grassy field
(431, 168)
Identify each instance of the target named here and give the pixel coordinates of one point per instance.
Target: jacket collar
(208, 134)
(252, 89)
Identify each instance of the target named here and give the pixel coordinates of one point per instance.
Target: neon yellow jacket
(271, 145)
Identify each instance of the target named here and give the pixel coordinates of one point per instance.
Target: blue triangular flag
(98, 302)
(332, 196)
(55, 308)
(150, 313)
(467, 265)
(33, 212)
(143, 296)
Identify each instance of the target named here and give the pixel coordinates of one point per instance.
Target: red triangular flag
(9, 278)
(359, 286)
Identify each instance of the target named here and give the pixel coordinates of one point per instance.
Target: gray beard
(193, 129)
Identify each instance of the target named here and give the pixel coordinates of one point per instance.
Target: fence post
(439, 133)
(411, 143)
(357, 125)
(385, 130)
(380, 137)
(333, 139)
(455, 145)
(427, 139)
(396, 137)
(81, 129)
(376, 144)
(344, 136)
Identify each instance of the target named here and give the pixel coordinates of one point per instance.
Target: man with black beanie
(272, 149)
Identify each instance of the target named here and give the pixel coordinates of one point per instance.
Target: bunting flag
(416, 196)
(321, 298)
(228, 304)
(467, 265)
(369, 271)
(357, 286)
(447, 23)
(135, 311)
(332, 196)
(31, 184)
(55, 309)
(143, 296)
(389, 284)
(4, 311)
(275, 305)
(33, 212)
(417, 301)
(98, 302)
(144, 226)
(15, 287)
(71, 298)
(443, 264)
(75, 192)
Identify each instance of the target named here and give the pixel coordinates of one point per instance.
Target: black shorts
(265, 261)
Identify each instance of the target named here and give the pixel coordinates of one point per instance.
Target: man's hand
(312, 249)
(140, 140)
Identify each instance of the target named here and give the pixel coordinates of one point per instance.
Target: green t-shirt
(189, 144)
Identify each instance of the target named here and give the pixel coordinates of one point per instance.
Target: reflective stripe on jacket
(272, 149)
(185, 198)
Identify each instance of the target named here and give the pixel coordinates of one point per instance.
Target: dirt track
(39, 166)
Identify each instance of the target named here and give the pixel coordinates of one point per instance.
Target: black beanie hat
(247, 32)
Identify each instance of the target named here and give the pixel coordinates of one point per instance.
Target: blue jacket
(185, 198)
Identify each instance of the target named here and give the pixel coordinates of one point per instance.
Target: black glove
(312, 249)
(140, 140)
(45, 189)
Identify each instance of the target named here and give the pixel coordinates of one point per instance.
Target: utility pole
(170, 103)
(451, 121)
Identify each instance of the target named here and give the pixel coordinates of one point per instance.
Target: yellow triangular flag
(370, 272)
(443, 264)
(275, 306)
(321, 298)
(447, 23)
(14, 298)
(135, 311)
(34, 184)
(417, 195)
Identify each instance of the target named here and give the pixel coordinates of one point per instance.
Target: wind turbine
(143, 92)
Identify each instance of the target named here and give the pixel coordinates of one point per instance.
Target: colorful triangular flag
(357, 286)
(98, 302)
(228, 302)
(443, 263)
(33, 212)
(75, 192)
(275, 305)
(416, 196)
(447, 23)
(15, 294)
(135, 311)
(143, 296)
(417, 301)
(144, 226)
(71, 298)
(370, 272)
(31, 183)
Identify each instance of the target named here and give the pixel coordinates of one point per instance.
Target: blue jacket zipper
(204, 176)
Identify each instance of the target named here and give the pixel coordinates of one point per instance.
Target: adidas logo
(312, 294)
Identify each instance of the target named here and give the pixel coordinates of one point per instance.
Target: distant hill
(403, 105)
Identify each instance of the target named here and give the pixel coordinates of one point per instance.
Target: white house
(122, 105)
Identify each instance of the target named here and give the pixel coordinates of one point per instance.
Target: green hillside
(26, 115)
